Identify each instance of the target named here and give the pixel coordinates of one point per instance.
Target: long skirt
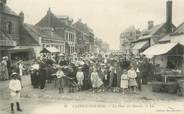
(60, 82)
(97, 83)
(115, 83)
(5, 75)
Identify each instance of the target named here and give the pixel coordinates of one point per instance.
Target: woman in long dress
(96, 81)
(4, 69)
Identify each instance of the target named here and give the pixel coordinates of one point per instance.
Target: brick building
(62, 25)
(24, 41)
(126, 37)
(153, 34)
(10, 25)
(85, 37)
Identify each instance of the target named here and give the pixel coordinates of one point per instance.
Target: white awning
(140, 45)
(53, 50)
(50, 50)
(159, 49)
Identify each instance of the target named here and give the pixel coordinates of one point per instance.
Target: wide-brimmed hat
(4, 58)
(14, 74)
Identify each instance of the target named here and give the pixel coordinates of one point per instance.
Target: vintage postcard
(91, 56)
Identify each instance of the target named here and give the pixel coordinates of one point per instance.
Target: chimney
(2, 4)
(150, 24)
(169, 12)
(21, 15)
(49, 12)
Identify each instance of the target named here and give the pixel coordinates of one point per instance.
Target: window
(66, 37)
(9, 27)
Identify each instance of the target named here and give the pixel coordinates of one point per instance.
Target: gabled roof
(52, 20)
(179, 32)
(153, 32)
(44, 32)
(48, 20)
(82, 27)
(7, 10)
(179, 29)
(6, 40)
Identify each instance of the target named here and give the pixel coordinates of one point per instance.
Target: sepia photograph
(91, 56)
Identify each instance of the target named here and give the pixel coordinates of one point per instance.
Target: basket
(156, 86)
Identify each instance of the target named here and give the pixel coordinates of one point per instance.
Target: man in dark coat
(86, 72)
(43, 74)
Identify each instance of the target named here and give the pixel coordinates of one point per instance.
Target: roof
(53, 20)
(159, 49)
(44, 32)
(178, 33)
(166, 38)
(179, 29)
(155, 29)
(140, 45)
(149, 33)
(82, 27)
(8, 10)
(62, 16)
(5, 40)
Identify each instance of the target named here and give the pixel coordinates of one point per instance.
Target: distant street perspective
(61, 65)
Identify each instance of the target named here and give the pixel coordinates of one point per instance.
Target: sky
(108, 18)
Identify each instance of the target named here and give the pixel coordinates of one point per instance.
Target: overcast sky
(108, 18)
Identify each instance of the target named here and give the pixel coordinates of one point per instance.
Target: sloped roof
(82, 27)
(8, 10)
(3, 36)
(179, 32)
(6, 40)
(153, 30)
(62, 16)
(179, 29)
(45, 33)
(51, 19)
(48, 20)
(166, 38)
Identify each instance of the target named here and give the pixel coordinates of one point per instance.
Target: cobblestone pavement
(36, 101)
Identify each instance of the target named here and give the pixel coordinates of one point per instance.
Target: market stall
(49, 52)
(169, 61)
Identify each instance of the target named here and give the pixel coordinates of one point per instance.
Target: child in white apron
(15, 89)
(80, 78)
(124, 81)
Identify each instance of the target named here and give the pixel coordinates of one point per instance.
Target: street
(36, 101)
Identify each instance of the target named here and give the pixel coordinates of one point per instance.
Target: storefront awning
(20, 49)
(50, 50)
(159, 49)
(140, 45)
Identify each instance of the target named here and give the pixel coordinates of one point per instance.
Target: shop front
(169, 61)
(21, 53)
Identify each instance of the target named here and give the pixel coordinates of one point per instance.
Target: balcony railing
(7, 43)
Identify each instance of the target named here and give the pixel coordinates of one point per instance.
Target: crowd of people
(90, 72)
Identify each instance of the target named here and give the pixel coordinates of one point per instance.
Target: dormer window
(9, 27)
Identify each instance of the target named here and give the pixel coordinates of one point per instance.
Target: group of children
(127, 80)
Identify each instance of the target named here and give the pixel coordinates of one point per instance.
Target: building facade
(153, 34)
(126, 37)
(62, 25)
(10, 25)
(85, 37)
(24, 41)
